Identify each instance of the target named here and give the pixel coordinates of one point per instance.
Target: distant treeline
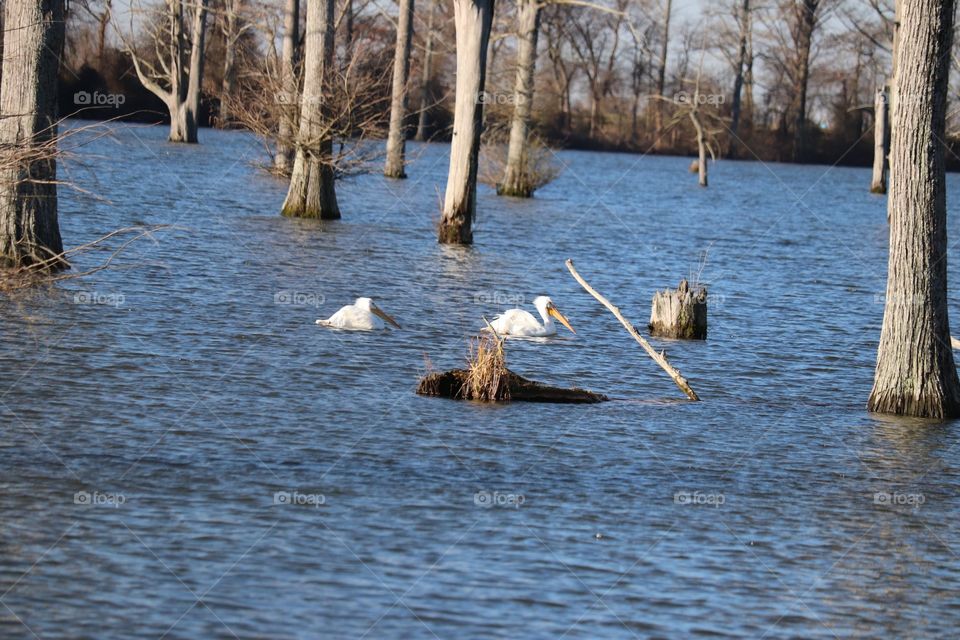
(605, 79)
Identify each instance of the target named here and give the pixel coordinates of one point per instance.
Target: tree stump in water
(679, 314)
(454, 384)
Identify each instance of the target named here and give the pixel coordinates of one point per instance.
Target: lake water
(152, 415)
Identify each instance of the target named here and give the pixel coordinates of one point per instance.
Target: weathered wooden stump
(681, 313)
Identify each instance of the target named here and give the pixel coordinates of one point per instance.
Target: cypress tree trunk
(915, 373)
(396, 139)
(288, 83)
(517, 180)
(191, 104)
(661, 78)
(701, 146)
(312, 193)
(231, 7)
(806, 22)
(33, 42)
(744, 20)
(881, 141)
(472, 19)
(425, 77)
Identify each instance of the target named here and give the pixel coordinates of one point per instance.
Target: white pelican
(517, 322)
(362, 315)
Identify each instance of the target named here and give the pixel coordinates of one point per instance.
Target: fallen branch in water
(659, 358)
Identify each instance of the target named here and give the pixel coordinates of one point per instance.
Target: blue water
(153, 414)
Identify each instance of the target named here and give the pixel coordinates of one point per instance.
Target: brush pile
(487, 378)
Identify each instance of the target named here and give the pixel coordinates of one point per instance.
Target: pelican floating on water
(517, 322)
(362, 315)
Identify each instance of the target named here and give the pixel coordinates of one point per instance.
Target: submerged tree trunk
(230, 38)
(312, 193)
(805, 23)
(881, 141)
(283, 160)
(701, 147)
(191, 103)
(517, 180)
(744, 20)
(396, 139)
(33, 43)
(472, 19)
(661, 77)
(183, 96)
(425, 76)
(915, 373)
(681, 313)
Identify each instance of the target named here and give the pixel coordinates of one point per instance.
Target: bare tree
(597, 45)
(662, 74)
(742, 15)
(177, 79)
(805, 18)
(516, 179)
(472, 19)
(557, 36)
(396, 138)
(916, 374)
(426, 75)
(283, 159)
(102, 12)
(232, 27)
(32, 47)
(312, 193)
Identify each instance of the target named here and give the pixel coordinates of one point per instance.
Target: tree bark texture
(312, 193)
(397, 136)
(283, 160)
(33, 43)
(915, 373)
(426, 73)
(517, 180)
(472, 19)
(881, 141)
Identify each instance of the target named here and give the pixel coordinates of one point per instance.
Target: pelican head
(368, 305)
(547, 310)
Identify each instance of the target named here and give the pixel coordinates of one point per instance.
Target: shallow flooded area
(185, 454)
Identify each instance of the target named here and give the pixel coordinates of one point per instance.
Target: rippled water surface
(181, 394)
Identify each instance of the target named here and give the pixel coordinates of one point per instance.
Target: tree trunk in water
(661, 77)
(312, 193)
(916, 374)
(396, 139)
(425, 76)
(881, 141)
(681, 313)
(288, 82)
(806, 22)
(33, 44)
(229, 62)
(738, 81)
(472, 19)
(517, 180)
(185, 104)
(701, 147)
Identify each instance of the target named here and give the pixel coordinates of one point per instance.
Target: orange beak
(553, 311)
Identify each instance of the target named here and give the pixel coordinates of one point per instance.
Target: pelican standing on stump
(362, 315)
(520, 323)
